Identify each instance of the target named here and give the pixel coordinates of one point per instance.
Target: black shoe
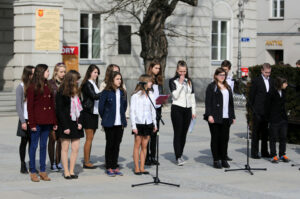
(255, 156)
(228, 158)
(23, 169)
(74, 176)
(145, 172)
(89, 167)
(217, 164)
(154, 162)
(67, 177)
(138, 173)
(225, 164)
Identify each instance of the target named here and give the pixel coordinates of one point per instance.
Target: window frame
(277, 16)
(219, 58)
(90, 36)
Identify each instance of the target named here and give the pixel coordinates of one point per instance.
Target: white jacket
(141, 109)
(183, 94)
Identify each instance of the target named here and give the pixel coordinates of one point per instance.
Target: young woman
(21, 106)
(219, 112)
(154, 70)
(278, 120)
(183, 108)
(110, 69)
(112, 107)
(143, 121)
(41, 118)
(68, 108)
(90, 92)
(58, 76)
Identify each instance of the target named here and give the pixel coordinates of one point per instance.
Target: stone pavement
(197, 178)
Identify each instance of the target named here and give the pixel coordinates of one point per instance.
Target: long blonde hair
(56, 69)
(139, 87)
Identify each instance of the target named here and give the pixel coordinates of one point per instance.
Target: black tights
(22, 148)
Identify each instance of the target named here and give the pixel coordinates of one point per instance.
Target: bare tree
(152, 29)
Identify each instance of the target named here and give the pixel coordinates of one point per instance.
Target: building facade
(278, 31)
(213, 25)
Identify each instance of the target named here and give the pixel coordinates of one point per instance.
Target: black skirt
(74, 132)
(21, 132)
(144, 129)
(90, 121)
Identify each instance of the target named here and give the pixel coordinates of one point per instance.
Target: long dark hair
(279, 81)
(109, 70)
(139, 87)
(158, 77)
(88, 73)
(38, 79)
(182, 63)
(69, 86)
(217, 72)
(110, 82)
(26, 78)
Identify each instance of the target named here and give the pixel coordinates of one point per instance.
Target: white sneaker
(180, 162)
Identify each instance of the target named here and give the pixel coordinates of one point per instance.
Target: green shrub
(292, 75)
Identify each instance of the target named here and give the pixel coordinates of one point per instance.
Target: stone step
(8, 114)
(8, 103)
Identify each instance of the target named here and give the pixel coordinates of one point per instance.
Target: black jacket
(63, 109)
(259, 97)
(89, 96)
(276, 107)
(214, 104)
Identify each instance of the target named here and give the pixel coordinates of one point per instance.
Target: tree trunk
(153, 38)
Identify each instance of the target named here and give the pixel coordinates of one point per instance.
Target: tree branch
(190, 2)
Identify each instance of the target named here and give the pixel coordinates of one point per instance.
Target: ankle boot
(34, 177)
(23, 168)
(44, 176)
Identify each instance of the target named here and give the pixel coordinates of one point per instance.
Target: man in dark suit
(258, 99)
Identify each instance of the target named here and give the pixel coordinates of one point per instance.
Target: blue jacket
(107, 108)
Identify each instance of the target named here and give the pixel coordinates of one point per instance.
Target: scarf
(75, 108)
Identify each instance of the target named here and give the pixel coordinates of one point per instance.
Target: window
(90, 36)
(124, 46)
(219, 40)
(277, 8)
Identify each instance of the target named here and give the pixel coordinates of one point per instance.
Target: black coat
(259, 97)
(89, 96)
(63, 112)
(214, 104)
(276, 107)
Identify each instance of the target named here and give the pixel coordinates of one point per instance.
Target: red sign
(41, 13)
(70, 50)
(244, 72)
(70, 57)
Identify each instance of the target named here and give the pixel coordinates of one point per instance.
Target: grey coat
(20, 110)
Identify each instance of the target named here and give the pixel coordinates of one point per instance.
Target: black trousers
(219, 139)
(113, 137)
(181, 119)
(151, 149)
(278, 131)
(260, 129)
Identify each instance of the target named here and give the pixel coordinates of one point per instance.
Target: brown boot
(44, 176)
(34, 177)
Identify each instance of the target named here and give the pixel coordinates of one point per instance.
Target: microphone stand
(247, 165)
(156, 180)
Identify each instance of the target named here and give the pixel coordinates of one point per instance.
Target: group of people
(65, 110)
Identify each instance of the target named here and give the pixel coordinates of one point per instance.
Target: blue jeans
(41, 133)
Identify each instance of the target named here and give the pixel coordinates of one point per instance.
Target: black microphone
(142, 83)
(292, 85)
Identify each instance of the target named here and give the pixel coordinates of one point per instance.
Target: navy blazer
(107, 108)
